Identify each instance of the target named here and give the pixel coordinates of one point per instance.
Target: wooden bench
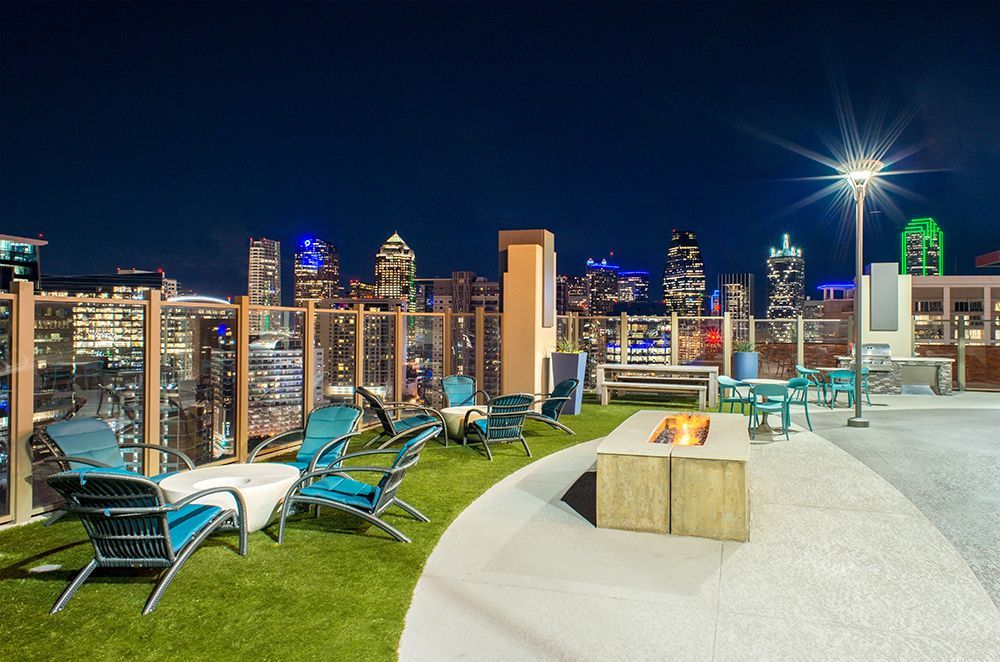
(655, 387)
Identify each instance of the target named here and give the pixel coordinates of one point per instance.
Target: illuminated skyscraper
(633, 286)
(602, 283)
(395, 271)
(736, 298)
(317, 271)
(922, 248)
(264, 282)
(786, 274)
(684, 275)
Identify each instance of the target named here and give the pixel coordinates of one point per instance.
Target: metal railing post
(151, 382)
(480, 347)
(309, 359)
(623, 337)
(242, 437)
(22, 404)
(800, 341)
(727, 343)
(960, 362)
(675, 335)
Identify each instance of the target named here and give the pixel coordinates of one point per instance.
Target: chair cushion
(344, 490)
(413, 421)
(325, 425)
(480, 425)
(87, 437)
(184, 523)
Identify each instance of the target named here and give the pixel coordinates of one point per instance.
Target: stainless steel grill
(876, 354)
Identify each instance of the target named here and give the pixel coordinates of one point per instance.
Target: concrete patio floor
(840, 565)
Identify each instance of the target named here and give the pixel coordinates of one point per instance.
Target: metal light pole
(858, 179)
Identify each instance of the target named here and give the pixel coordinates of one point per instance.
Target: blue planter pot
(745, 365)
(570, 366)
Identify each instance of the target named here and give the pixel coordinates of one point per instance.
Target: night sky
(154, 135)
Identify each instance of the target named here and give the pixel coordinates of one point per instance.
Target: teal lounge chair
(553, 403)
(132, 526)
(729, 393)
(328, 430)
(334, 488)
(503, 422)
(775, 401)
(461, 391)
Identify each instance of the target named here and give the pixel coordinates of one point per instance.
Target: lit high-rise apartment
(786, 275)
(395, 271)
(684, 275)
(736, 298)
(633, 286)
(921, 248)
(317, 271)
(602, 284)
(264, 283)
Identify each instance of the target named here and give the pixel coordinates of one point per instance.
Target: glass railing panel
(423, 361)
(277, 373)
(699, 341)
(89, 361)
(648, 340)
(198, 385)
(824, 340)
(463, 345)
(6, 369)
(776, 343)
(600, 337)
(379, 353)
(335, 354)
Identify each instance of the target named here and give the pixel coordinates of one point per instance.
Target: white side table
(263, 487)
(454, 417)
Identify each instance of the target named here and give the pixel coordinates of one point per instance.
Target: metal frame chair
(815, 378)
(553, 404)
(334, 488)
(841, 381)
(503, 422)
(461, 391)
(798, 394)
(392, 428)
(776, 402)
(728, 383)
(325, 438)
(131, 525)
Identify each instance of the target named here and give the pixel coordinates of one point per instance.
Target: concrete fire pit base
(685, 490)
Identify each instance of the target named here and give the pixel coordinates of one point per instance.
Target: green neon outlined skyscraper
(922, 248)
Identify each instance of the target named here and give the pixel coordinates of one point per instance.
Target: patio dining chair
(769, 399)
(841, 381)
(461, 391)
(325, 437)
(815, 378)
(132, 526)
(553, 404)
(730, 393)
(798, 395)
(503, 422)
(392, 427)
(333, 487)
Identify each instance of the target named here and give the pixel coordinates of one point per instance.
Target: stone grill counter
(935, 372)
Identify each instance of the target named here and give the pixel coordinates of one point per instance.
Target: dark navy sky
(155, 135)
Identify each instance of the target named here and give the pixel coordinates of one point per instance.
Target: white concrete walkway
(840, 566)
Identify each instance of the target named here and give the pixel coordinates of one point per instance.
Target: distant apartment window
(968, 306)
(930, 307)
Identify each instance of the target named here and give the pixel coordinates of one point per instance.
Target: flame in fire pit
(683, 430)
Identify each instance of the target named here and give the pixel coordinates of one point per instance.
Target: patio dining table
(764, 425)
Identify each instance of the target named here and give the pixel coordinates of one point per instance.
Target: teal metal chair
(729, 393)
(864, 385)
(815, 378)
(419, 415)
(334, 488)
(770, 399)
(328, 430)
(798, 395)
(841, 381)
(503, 422)
(131, 525)
(553, 403)
(461, 391)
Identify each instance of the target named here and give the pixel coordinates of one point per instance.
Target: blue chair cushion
(344, 490)
(87, 437)
(480, 425)
(187, 521)
(325, 425)
(413, 421)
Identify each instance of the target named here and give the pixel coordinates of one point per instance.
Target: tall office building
(264, 282)
(571, 294)
(395, 271)
(19, 260)
(358, 290)
(736, 298)
(275, 385)
(317, 271)
(633, 286)
(922, 252)
(602, 286)
(684, 275)
(786, 274)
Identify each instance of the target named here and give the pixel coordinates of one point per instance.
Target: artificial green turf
(332, 591)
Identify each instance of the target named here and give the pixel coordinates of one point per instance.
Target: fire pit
(678, 473)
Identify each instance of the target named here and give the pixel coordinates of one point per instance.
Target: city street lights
(859, 176)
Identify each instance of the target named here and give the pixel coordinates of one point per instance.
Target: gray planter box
(570, 366)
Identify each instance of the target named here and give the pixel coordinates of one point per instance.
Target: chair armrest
(465, 422)
(73, 458)
(268, 442)
(164, 449)
(241, 506)
(414, 407)
(327, 446)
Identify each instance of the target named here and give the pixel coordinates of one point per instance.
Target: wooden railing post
(727, 343)
(242, 437)
(752, 330)
(800, 341)
(359, 349)
(399, 356)
(480, 371)
(22, 405)
(675, 336)
(309, 359)
(623, 337)
(447, 367)
(151, 382)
